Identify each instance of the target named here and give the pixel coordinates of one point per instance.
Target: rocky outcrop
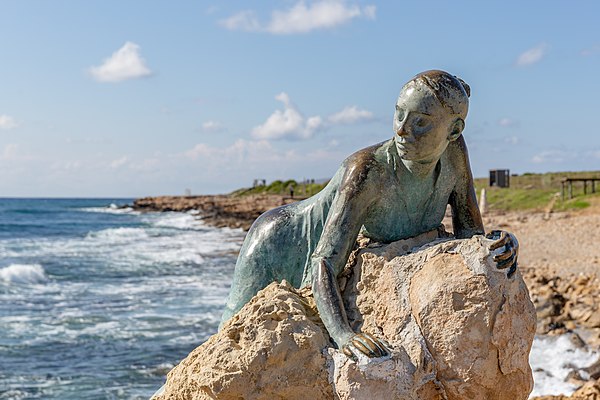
(458, 328)
(218, 210)
(565, 302)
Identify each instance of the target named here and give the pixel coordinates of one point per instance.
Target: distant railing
(568, 183)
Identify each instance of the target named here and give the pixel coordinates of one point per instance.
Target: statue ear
(457, 127)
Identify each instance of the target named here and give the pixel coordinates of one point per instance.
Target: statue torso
(406, 206)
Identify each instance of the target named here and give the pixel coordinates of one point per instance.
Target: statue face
(421, 124)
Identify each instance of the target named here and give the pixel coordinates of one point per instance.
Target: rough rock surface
(458, 329)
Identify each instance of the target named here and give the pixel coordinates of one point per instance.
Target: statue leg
(250, 277)
(267, 255)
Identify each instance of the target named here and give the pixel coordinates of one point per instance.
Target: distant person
(393, 190)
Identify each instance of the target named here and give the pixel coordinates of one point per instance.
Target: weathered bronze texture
(389, 191)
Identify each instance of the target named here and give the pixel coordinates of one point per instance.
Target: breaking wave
(23, 274)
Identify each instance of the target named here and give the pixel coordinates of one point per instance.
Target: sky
(141, 98)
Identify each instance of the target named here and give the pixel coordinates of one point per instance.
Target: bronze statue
(390, 191)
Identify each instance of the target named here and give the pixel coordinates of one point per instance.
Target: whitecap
(23, 274)
(111, 209)
(182, 221)
(118, 235)
(551, 359)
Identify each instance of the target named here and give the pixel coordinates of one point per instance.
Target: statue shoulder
(364, 166)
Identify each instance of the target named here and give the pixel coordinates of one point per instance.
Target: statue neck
(420, 169)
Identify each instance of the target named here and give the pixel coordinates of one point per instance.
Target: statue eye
(400, 113)
(422, 122)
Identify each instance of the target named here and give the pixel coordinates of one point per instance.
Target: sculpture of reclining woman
(390, 191)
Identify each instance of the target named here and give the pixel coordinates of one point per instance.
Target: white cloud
(253, 153)
(10, 152)
(594, 154)
(350, 115)
(512, 140)
(553, 156)
(591, 50)
(241, 151)
(507, 122)
(288, 123)
(212, 126)
(126, 63)
(242, 21)
(301, 18)
(119, 162)
(7, 122)
(74, 165)
(532, 56)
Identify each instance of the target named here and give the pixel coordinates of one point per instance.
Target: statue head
(430, 113)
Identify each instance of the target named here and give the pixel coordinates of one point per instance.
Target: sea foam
(551, 359)
(111, 209)
(23, 274)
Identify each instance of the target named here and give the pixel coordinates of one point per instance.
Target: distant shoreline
(217, 210)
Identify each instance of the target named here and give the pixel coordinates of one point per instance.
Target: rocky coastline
(216, 210)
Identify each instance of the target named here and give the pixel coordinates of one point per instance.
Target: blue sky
(114, 98)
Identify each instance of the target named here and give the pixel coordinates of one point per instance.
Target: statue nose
(402, 132)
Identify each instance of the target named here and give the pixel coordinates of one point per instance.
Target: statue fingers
(361, 346)
(376, 348)
(502, 241)
(512, 270)
(507, 262)
(364, 344)
(348, 352)
(514, 242)
(508, 253)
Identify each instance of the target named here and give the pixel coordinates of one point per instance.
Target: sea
(98, 301)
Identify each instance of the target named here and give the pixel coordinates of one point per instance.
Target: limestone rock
(271, 349)
(458, 328)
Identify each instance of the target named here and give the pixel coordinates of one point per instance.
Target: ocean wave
(118, 235)
(111, 209)
(551, 359)
(183, 221)
(23, 274)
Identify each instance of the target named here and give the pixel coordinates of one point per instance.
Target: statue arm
(343, 223)
(466, 218)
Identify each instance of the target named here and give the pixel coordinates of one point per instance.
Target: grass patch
(283, 188)
(529, 191)
(538, 192)
(513, 199)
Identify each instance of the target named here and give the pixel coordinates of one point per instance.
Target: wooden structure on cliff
(568, 184)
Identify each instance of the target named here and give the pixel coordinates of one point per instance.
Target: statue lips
(405, 148)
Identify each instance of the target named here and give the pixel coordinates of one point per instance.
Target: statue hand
(366, 344)
(508, 257)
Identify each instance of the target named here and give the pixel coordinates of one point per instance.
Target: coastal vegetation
(301, 190)
(527, 192)
(539, 192)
